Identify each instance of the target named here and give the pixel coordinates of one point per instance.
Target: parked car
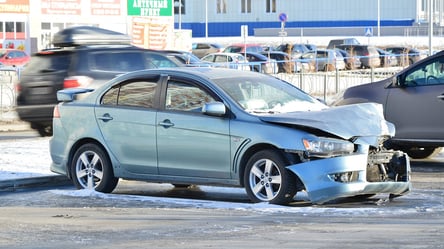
(200, 49)
(323, 60)
(351, 62)
(184, 58)
(284, 62)
(213, 126)
(268, 48)
(296, 50)
(227, 60)
(413, 101)
(406, 55)
(332, 44)
(311, 47)
(261, 63)
(387, 59)
(13, 57)
(86, 55)
(368, 55)
(244, 47)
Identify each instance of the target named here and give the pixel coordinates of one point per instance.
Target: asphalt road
(147, 215)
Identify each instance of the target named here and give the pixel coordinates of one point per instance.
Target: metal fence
(8, 80)
(325, 85)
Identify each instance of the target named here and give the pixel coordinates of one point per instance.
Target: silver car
(213, 126)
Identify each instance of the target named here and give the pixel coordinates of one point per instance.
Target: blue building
(218, 18)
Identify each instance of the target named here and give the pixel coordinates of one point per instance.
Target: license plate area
(40, 90)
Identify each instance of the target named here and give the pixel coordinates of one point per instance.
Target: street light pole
(206, 19)
(379, 18)
(430, 3)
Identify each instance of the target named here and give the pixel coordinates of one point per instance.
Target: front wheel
(91, 169)
(267, 180)
(421, 153)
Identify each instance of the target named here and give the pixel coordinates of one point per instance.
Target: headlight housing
(327, 147)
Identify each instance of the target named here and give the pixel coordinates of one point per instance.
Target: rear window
(232, 49)
(48, 61)
(155, 60)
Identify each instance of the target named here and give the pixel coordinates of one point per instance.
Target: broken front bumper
(346, 176)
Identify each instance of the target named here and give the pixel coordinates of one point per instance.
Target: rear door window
(117, 61)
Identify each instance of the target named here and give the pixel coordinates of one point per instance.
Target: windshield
(266, 95)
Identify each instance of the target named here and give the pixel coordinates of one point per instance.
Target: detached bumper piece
(379, 171)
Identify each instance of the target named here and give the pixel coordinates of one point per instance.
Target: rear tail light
(77, 81)
(56, 113)
(18, 88)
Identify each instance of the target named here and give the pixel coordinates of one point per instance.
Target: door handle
(441, 97)
(166, 123)
(106, 117)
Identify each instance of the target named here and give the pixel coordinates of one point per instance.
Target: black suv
(85, 56)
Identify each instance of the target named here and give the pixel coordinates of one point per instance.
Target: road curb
(40, 181)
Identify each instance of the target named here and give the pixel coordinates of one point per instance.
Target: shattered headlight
(327, 147)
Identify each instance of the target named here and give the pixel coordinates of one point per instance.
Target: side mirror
(214, 109)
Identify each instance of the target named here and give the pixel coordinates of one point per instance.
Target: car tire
(43, 130)
(91, 169)
(423, 153)
(267, 180)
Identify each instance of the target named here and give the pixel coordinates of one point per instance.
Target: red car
(13, 57)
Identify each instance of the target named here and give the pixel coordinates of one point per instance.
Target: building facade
(214, 18)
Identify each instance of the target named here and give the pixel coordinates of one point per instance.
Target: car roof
(203, 72)
(226, 53)
(214, 44)
(87, 35)
(246, 44)
(274, 52)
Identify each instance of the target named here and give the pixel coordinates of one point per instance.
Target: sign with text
(151, 8)
(61, 7)
(152, 32)
(14, 6)
(105, 7)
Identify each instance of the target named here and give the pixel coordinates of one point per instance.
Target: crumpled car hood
(347, 121)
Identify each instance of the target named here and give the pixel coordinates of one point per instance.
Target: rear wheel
(267, 180)
(91, 169)
(43, 130)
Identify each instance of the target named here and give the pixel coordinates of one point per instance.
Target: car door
(127, 121)
(189, 142)
(417, 107)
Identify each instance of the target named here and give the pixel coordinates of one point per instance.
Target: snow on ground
(24, 158)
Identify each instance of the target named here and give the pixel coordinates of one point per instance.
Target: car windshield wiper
(262, 111)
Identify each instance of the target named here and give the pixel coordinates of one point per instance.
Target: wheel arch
(77, 145)
(290, 158)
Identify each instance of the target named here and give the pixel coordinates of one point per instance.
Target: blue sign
(282, 17)
(368, 31)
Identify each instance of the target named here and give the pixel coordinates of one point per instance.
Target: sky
(25, 158)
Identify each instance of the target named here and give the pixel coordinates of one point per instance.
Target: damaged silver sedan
(224, 127)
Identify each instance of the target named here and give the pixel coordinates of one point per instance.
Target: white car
(228, 60)
(323, 60)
